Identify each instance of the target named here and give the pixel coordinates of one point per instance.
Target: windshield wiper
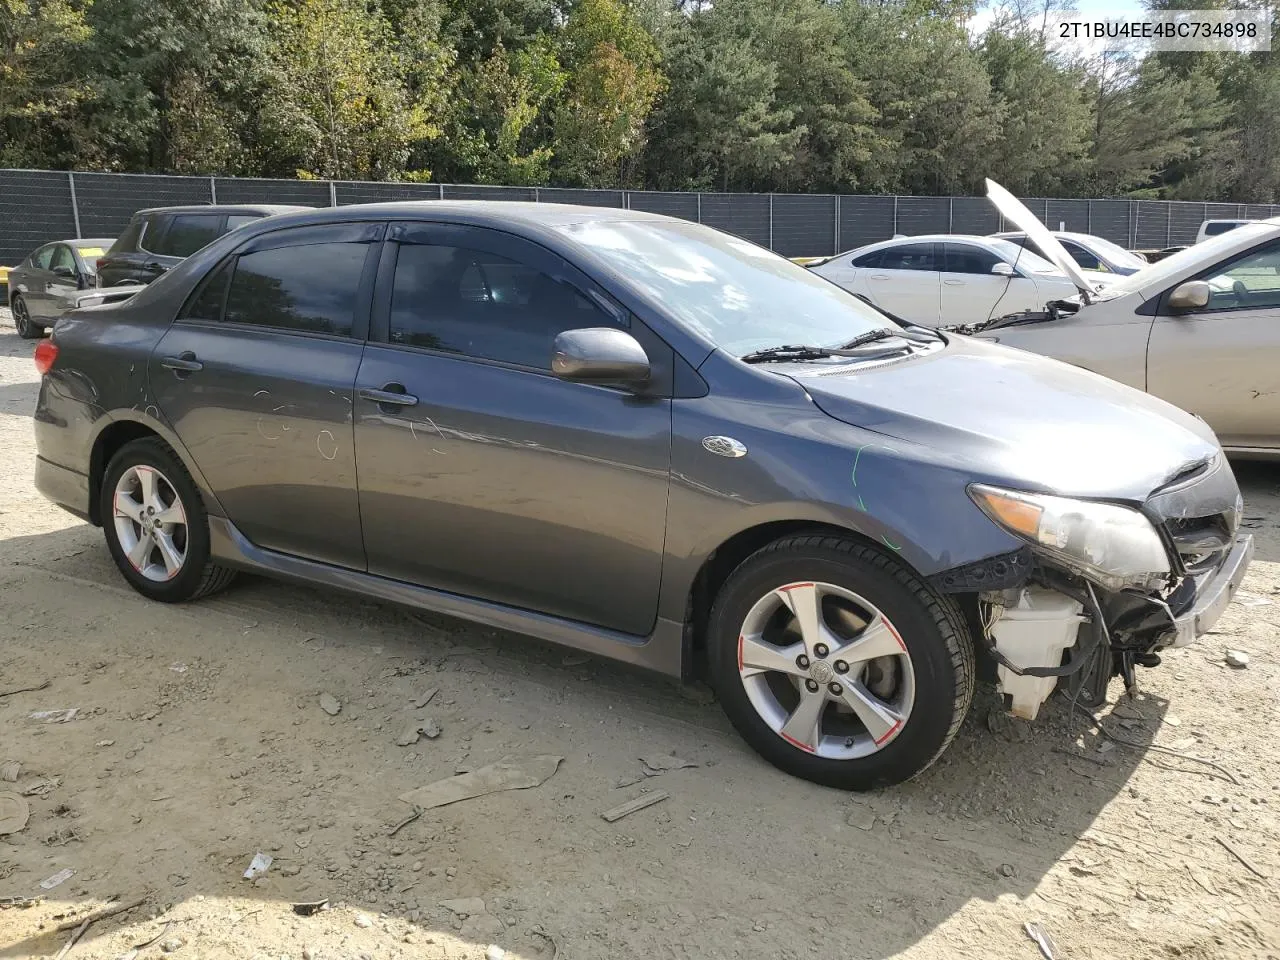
(789, 352)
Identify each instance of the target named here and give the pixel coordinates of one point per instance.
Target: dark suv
(158, 238)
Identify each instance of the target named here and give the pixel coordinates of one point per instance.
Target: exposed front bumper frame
(1213, 595)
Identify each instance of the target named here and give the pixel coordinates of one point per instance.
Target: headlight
(1113, 546)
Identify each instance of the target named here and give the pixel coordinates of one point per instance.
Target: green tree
(39, 90)
(337, 103)
(612, 82)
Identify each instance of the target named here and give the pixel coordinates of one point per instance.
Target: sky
(1087, 9)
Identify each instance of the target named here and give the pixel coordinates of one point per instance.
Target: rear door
(970, 291)
(483, 474)
(907, 282)
(1223, 361)
(257, 376)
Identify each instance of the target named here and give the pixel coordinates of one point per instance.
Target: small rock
(430, 729)
(290, 870)
(494, 952)
(862, 819)
(1006, 870)
(10, 770)
(417, 865)
(363, 921)
(330, 704)
(409, 737)
(483, 927)
(465, 907)
(172, 945)
(1237, 658)
(310, 953)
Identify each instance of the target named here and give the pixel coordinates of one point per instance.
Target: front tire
(27, 328)
(156, 526)
(837, 664)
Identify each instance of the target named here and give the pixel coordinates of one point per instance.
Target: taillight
(99, 262)
(46, 354)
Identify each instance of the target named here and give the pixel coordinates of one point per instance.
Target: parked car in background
(50, 281)
(949, 278)
(1200, 329)
(1212, 228)
(161, 237)
(642, 437)
(1089, 252)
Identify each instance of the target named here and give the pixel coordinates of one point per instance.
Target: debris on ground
(54, 716)
(10, 693)
(661, 763)
(509, 773)
(14, 813)
(631, 806)
(429, 728)
(1249, 600)
(426, 698)
(330, 704)
(1007, 870)
(482, 926)
(363, 921)
(62, 876)
(465, 907)
(259, 865)
(310, 907)
(1040, 935)
(1244, 861)
(1237, 658)
(417, 812)
(137, 948)
(494, 952)
(10, 770)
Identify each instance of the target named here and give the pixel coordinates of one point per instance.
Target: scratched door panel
(268, 422)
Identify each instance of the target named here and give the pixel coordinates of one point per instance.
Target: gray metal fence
(37, 206)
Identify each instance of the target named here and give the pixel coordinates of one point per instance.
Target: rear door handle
(392, 397)
(185, 361)
(154, 267)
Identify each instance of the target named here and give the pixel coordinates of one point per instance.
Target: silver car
(1200, 329)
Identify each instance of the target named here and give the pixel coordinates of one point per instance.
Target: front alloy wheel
(22, 322)
(837, 663)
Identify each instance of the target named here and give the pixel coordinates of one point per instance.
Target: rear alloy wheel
(156, 526)
(22, 322)
(839, 665)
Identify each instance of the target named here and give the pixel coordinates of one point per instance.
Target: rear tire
(156, 526)
(27, 328)
(863, 686)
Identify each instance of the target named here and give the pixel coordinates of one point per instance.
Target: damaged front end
(1102, 587)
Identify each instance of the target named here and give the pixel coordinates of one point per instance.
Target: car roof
(77, 242)
(922, 238)
(266, 209)
(476, 212)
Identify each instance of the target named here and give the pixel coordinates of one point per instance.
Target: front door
(257, 377)
(1223, 361)
(64, 281)
(971, 293)
(480, 472)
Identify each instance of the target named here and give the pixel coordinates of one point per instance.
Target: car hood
(1017, 418)
(1016, 213)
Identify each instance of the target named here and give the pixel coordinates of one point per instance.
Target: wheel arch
(124, 428)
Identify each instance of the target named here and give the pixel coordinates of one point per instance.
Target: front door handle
(392, 394)
(954, 283)
(879, 276)
(154, 267)
(185, 362)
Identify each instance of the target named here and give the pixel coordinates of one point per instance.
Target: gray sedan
(50, 281)
(641, 437)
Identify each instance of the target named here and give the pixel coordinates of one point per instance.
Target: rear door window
(310, 288)
(187, 233)
(239, 220)
(1081, 256)
(909, 256)
(871, 259)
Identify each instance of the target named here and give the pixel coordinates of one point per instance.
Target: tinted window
(965, 258)
(62, 257)
(1082, 256)
(1249, 283)
(483, 305)
(311, 287)
(1213, 229)
(239, 220)
(186, 234)
(871, 259)
(212, 294)
(40, 259)
(909, 256)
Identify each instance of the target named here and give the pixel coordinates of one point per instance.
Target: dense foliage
(787, 95)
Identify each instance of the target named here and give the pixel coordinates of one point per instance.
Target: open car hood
(1016, 213)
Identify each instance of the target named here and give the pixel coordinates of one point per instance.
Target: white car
(947, 278)
(1212, 228)
(1089, 252)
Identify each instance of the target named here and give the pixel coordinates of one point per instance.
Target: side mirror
(599, 355)
(66, 272)
(1191, 295)
(1002, 269)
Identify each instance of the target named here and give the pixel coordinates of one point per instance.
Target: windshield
(1201, 254)
(1025, 259)
(739, 296)
(1115, 254)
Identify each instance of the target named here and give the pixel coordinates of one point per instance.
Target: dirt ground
(200, 740)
